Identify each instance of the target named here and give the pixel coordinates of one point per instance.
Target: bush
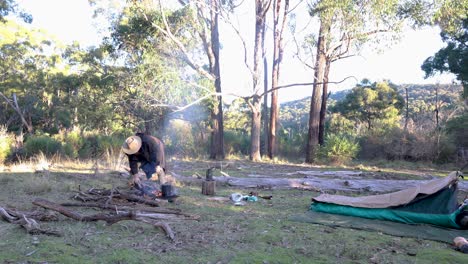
(42, 144)
(236, 142)
(94, 146)
(397, 144)
(339, 148)
(5, 144)
(291, 145)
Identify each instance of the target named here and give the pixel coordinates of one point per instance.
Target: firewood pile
(115, 205)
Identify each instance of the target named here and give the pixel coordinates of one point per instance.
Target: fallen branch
(30, 224)
(325, 183)
(141, 211)
(106, 194)
(109, 219)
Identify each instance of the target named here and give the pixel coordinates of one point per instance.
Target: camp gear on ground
(433, 202)
(418, 231)
(168, 191)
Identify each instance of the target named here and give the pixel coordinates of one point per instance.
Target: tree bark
(218, 133)
(255, 133)
(278, 50)
(323, 109)
(265, 134)
(261, 7)
(16, 107)
(315, 102)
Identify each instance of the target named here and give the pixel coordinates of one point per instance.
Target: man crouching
(149, 152)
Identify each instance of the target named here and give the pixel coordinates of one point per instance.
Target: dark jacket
(150, 155)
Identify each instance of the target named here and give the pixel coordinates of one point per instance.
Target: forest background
(159, 71)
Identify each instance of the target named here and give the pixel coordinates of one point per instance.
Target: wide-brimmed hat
(131, 145)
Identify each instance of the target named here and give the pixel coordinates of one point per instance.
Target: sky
(71, 20)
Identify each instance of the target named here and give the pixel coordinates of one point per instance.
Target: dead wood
(141, 211)
(322, 184)
(108, 218)
(31, 225)
(108, 194)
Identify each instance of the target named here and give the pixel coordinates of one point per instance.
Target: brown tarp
(391, 199)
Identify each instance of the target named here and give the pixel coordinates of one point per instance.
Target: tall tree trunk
(255, 133)
(217, 143)
(323, 109)
(264, 135)
(315, 102)
(260, 11)
(277, 58)
(214, 133)
(407, 110)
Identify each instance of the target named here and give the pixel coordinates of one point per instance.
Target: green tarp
(445, 220)
(433, 202)
(418, 231)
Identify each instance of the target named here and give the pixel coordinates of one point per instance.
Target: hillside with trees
(421, 111)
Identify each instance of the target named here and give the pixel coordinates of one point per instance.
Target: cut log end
(208, 187)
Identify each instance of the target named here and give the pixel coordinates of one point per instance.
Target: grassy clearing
(259, 232)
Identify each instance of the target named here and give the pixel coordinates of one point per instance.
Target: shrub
(5, 144)
(45, 144)
(236, 142)
(94, 146)
(291, 144)
(339, 148)
(457, 128)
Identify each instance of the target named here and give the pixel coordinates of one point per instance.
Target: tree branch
(180, 45)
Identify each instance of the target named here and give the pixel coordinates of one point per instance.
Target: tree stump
(208, 187)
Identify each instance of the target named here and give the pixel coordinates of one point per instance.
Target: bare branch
(244, 46)
(304, 84)
(167, 31)
(17, 109)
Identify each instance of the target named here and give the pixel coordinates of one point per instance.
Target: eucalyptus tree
(452, 18)
(186, 36)
(371, 102)
(344, 27)
(149, 78)
(254, 101)
(280, 13)
(94, 85)
(8, 7)
(29, 60)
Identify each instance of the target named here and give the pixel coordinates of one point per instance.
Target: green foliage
(457, 128)
(340, 124)
(368, 103)
(95, 145)
(291, 143)
(339, 148)
(453, 21)
(236, 142)
(396, 144)
(236, 116)
(35, 145)
(5, 144)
